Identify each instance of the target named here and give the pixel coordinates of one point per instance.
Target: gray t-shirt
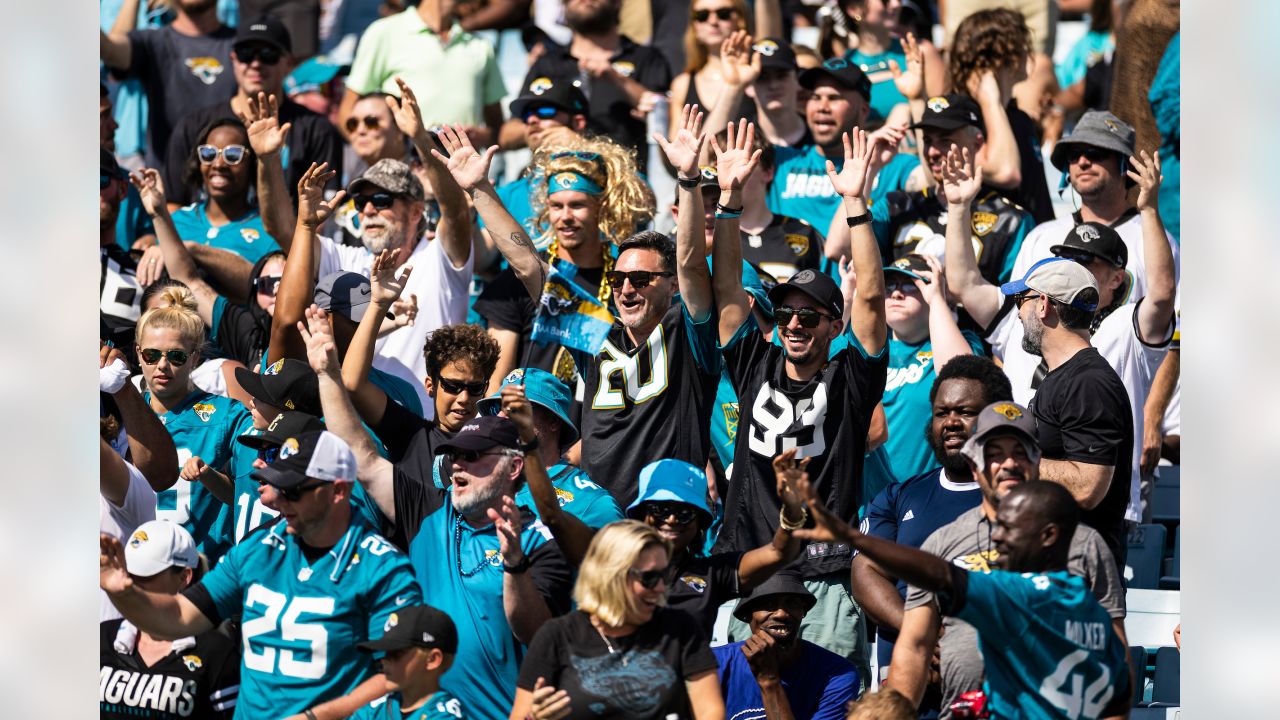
(966, 543)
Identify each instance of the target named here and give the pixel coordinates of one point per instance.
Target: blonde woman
(622, 653)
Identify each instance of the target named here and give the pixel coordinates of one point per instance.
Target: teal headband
(569, 180)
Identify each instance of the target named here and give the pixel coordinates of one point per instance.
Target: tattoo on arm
(522, 240)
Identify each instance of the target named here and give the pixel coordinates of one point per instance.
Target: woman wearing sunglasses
(622, 653)
(223, 169)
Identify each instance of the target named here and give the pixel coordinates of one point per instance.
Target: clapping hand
(683, 150)
(507, 521)
(468, 167)
(407, 114)
(113, 575)
(789, 471)
(150, 188)
(828, 527)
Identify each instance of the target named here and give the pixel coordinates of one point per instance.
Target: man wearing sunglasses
(305, 587)
(261, 58)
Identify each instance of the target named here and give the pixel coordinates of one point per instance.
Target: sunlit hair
(627, 201)
(988, 40)
(695, 54)
(604, 584)
(171, 293)
(887, 704)
(174, 314)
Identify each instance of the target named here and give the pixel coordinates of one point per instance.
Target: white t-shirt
(120, 521)
(1117, 341)
(443, 293)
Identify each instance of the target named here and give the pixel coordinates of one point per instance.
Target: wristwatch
(517, 569)
(529, 446)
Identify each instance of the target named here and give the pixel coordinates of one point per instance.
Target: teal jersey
(398, 391)
(801, 188)
(724, 419)
(516, 196)
(301, 618)
(245, 237)
(440, 706)
(892, 177)
(204, 426)
(884, 93)
(1087, 52)
(1049, 648)
(578, 495)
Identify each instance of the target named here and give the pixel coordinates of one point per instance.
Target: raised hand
(934, 291)
(887, 140)
(548, 702)
(961, 177)
(683, 150)
(910, 82)
(313, 210)
(468, 167)
(405, 311)
(322, 350)
(113, 575)
(151, 189)
(828, 526)
(384, 287)
(854, 178)
(262, 122)
(405, 110)
(516, 406)
(739, 64)
(788, 472)
(508, 523)
(848, 278)
(736, 162)
(1146, 173)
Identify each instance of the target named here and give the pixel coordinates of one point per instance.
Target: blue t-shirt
(1048, 646)
(301, 619)
(578, 496)
(206, 426)
(245, 237)
(818, 686)
(801, 188)
(884, 93)
(440, 706)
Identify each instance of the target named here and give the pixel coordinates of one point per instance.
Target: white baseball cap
(157, 546)
(1060, 279)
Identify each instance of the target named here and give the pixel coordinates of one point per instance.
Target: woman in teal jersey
(224, 168)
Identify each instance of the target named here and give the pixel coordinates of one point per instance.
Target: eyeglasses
(649, 578)
(455, 387)
(1092, 154)
(579, 154)
(683, 514)
(720, 13)
(1021, 298)
(233, 154)
(269, 455)
(267, 54)
(380, 200)
(470, 456)
(371, 122)
(267, 284)
(294, 494)
(809, 317)
(177, 358)
(640, 279)
(543, 112)
(902, 283)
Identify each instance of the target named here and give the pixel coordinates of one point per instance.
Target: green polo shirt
(402, 45)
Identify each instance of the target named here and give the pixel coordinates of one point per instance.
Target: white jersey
(119, 521)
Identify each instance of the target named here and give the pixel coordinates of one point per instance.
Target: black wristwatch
(529, 446)
(517, 569)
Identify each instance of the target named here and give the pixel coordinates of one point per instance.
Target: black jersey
(648, 401)
(199, 678)
(787, 246)
(825, 418)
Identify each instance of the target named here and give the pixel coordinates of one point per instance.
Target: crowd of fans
(774, 359)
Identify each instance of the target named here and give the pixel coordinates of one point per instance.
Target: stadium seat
(1172, 577)
(1166, 503)
(1167, 688)
(1138, 658)
(1146, 549)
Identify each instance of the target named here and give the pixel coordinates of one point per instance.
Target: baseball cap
(391, 175)
(844, 73)
(345, 293)
(671, 480)
(107, 163)
(775, 54)
(564, 94)
(415, 626)
(318, 455)
(288, 384)
(778, 585)
(816, 285)
(542, 389)
(158, 545)
(1060, 279)
(1094, 239)
(948, 112)
(267, 30)
(482, 433)
(284, 426)
(1096, 128)
(1002, 418)
(311, 75)
(910, 265)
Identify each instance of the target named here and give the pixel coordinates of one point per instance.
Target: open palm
(738, 160)
(468, 167)
(262, 123)
(683, 150)
(385, 288)
(1146, 173)
(739, 65)
(853, 180)
(405, 110)
(313, 210)
(961, 178)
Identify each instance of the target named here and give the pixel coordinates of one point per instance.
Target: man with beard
(775, 671)
(909, 512)
(617, 73)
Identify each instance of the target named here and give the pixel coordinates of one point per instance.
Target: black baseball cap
(267, 30)
(345, 293)
(284, 426)
(775, 54)
(844, 73)
(779, 585)
(415, 626)
(563, 94)
(482, 433)
(288, 384)
(817, 285)
(1094, 239)
(312, 455)
(948, 112)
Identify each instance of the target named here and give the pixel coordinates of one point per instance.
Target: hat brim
(1057, 249)
(260, 40)
(664, 495)
(253, 384)
(260, 442)
(568, 432)
(973, 447)
(385, 644)
(1013, 287)
(943, 124)
(809, 79)
(781, 289)
(470, 441)
(744, 609)
(908, 273)
(353, 187)
(522, 103)
(1101, 141)
(279, 477)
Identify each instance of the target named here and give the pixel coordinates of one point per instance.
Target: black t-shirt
(1033, 192)
(179, 72)
(411, 443)
(312, 139)
(119, 295)
(643, 679)
(996, 229)
(826, 418)
(670, 20)
(610, 108)
(1083, 414)
(787, 246)
(200, 681)
(702, 585)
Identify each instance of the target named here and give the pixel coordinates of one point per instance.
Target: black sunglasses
(470, 456)
(105, 179)
(380, 200)
(720, 13)
(640, 279)
(903, 282)
(649, 578)
(267, 54)
(232, 154)
(267, 284)
(1021, 298)
(177, 358)
(269, 455)
(294, 494)
(809, 317)
(1093, 154)
(544, 112)
(682, 513)
(455, 387)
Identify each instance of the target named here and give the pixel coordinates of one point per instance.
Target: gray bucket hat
(1096, 128)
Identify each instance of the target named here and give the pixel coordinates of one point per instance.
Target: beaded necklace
(457, 543)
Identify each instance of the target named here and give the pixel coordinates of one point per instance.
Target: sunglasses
(233, 154)
(902, 282)
(809, 317)
(269, 455)
(371, 122)
(543, 112)
(177, 358)
(294, 494)
(649, 578)
(720, 13)
(267, 284)
(470, 456)
(380, 200)
(455, 387)
(1021, 298)
(579, 154)
(640, 279)
(1093, 154)
(683, 514)
(267, 54)
(105, 179)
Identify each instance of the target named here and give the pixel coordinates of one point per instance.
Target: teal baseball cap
(543, 389)
(311, 75)
(671, 480)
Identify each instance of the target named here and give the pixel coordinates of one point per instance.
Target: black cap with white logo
(415, 626)
(1094, 239)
